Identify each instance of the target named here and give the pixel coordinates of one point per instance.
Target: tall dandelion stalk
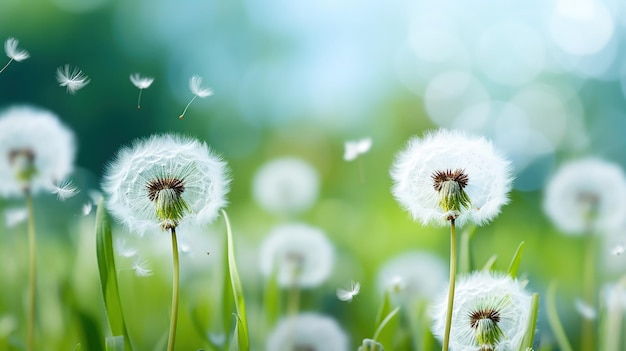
(179, 180)
(32, 271)
(449, 178)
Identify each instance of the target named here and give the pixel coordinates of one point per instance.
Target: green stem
(614, 315)
(446, 335)
(587, 338)
(175, 284)
(30, 344)
(293, 302)
(554, 321)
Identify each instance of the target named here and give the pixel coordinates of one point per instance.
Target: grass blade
(108, 275)
(384, 322)
(271, 299)
(240, 305)
(386, 336)
(114, 343)
(515, 262)
(553, 319)
(489, 265)
(529, 337)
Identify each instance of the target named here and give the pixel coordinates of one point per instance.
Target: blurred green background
(544, 79)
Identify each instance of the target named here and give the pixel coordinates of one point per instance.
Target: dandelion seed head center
(172, 186)
(449, 177)
(480, 315)
(17, 155)
(588, 198)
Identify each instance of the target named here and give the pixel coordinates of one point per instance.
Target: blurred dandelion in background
(308, 331)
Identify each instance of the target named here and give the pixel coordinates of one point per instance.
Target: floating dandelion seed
(65, 190)
(86, 209)
(122, 248)
(141, 83)
(307, 331)
(13, 53)
(355, 148)
(349, 293)
(72, 78)
(195, 85)
(15, 216)
(585, 310)
(141, 267)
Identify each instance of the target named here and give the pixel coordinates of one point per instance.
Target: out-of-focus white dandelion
(354, 148)
(490, 312)
(141, 83)
(73, 79)
(587, 195)
(585, 310)
(449, 175)
(15, 216)
(195, 85)
(347, 294)
(165, 180)
(400, 276)
(307, 331)
(122, 248)
(618, 249)
(141, 267)
(36, 150)
(86, 209)
(301, 255)
(65, 190)
(286, 185)
(13, 52)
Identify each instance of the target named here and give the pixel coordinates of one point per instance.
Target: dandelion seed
(141, 83)
(15, 216)
(618, 249)
(163, 181)
(301, 254)
(587, 195)
(13, 53)
(86, 209)
(35, 149)
(307, 331)
(355, 148)
(122, 249)
(195, 85)
(72, 78)
(585, 310)
(349, 293)
(65, 190)
(141, 267)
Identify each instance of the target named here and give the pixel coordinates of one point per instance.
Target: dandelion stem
(31, 273)
(175, 285)
(587, 339)
(446, 335)
(139, 99)
(293, 302)
(186, 107)
(5, 66)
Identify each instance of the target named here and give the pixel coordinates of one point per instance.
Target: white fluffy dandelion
(618, 249)
(15, 216)
(140, 83)
(286, 185)
(301, 255)
(354, 148)
(36, 150)
(587, 195)
(450, 175)
(165, 180)
(413, 276)
(71, 78)
(349, 293)
(65, 190)
(490, 312)
(307, 331)
(13, 52)
(195, 85)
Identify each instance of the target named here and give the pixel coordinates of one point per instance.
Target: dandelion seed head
(65, 190)
(195, 85)
(12, 51)
(587, 195)
(300, 254)
(307, 331)
(36, 149)
(354, 148)
(163, 181)
(141, 82)
(347, 294)
(286, 185)
(15, 216)
(450, 175)
(490, 311)
(72, 78)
